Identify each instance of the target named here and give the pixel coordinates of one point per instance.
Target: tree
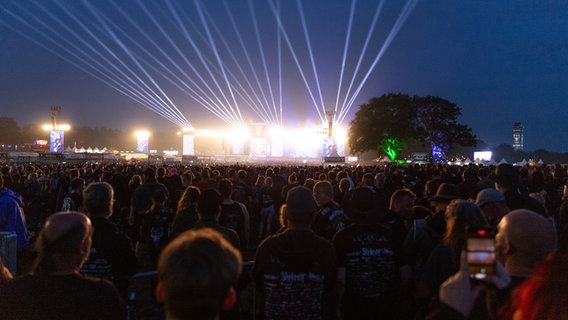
(431, 120)
(436, 121)
(10, 132)
(387, 117)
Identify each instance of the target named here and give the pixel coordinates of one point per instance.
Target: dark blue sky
(500, 61)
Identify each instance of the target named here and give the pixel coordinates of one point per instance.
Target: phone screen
(481, 252)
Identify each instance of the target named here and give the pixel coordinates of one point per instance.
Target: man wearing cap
(371, 266)
(55, 289)
(507, 181)
(492, 202)
(296, 270)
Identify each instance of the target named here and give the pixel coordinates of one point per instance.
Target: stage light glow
(142, 134)
(59, 127)
(209, 133)
(238, 135)
(275, 131)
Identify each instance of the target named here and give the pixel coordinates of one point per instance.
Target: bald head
(63, 244)
(524, 239)
(62, 223)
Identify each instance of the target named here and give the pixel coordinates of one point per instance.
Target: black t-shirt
(72, 202)
(296, 274)
(372, 257)
(60, 297)
(329, 220)
(112, 255)
(233, 217)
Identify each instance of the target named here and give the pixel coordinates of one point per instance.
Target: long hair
(188, 198)
(461, 214)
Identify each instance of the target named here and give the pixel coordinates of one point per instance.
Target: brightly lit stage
(256, 143)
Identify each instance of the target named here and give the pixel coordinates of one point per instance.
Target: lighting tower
(54, 111)
(330, 115)
(518, 136)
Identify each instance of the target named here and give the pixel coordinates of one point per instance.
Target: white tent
(503, 161)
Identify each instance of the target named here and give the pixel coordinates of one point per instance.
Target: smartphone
(481, 252)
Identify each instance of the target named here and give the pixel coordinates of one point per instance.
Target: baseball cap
(489, 195)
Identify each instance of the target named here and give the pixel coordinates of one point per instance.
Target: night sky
(107, 63)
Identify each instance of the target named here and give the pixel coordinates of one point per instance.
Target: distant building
(518, 136)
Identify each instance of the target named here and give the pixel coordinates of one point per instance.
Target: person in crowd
(155, 231)
(425, 234)
(485, 181)
(12, 217)
(444, 260)
(73, 201)
(292, 182)
(142, 197)
(13, 220)
(399, 216)
(175, 186)
(186, 214)
(234, 215)
(64, 186)
(468, 185)
(133, 184)
(295, 270)
(460, 296)
(330, 218)
(524, 240)
(208, 211)
(507, 181)
(112, 255)
(267, 212)
(241, 190)
(56, 289)
(382, 194)
(343, 197)
(197, 274)
(493, 204)
(371, 264)
(544, 295)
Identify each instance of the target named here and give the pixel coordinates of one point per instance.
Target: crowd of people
(314, 242)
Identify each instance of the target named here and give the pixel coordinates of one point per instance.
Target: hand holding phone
(481, 252)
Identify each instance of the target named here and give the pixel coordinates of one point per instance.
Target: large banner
(332, 148)
(188, 145)
(238, 147)
(57, 141)
(142, 143)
